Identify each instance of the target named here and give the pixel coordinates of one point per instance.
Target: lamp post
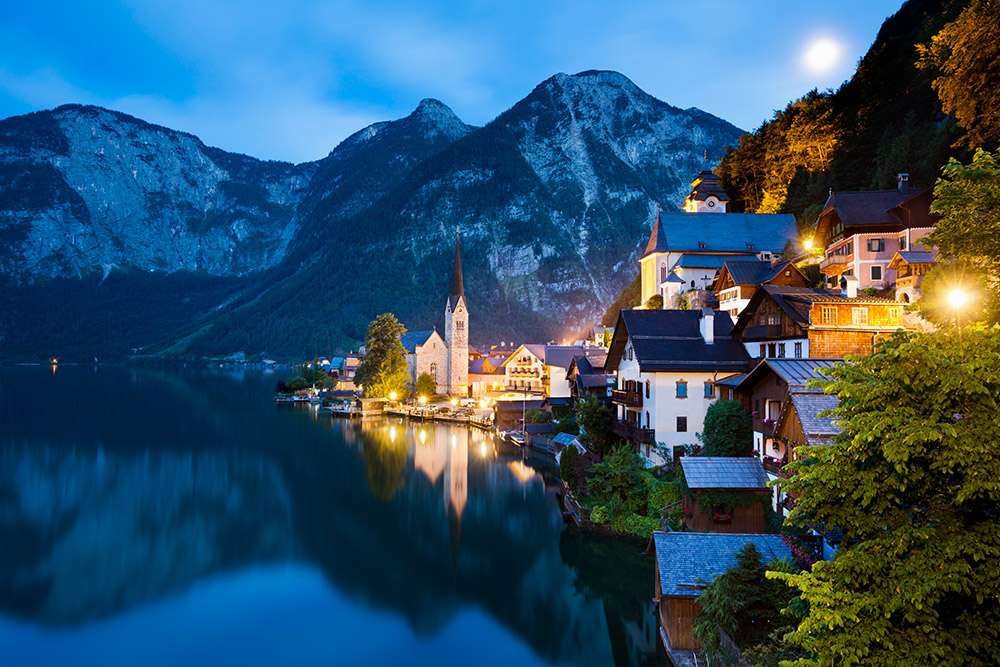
(957, 298)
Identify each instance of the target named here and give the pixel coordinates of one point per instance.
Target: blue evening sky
(289, 80)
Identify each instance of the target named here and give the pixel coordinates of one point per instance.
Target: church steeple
(657, 240)
(457, 288)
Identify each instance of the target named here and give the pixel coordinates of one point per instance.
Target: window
(894, 314)
(876, 272)
(763, 350)
(434, 372)
(692, 284)
(828, 314)
(781, 350)
(460, 325)
(709, 389)
(859, 315)
(773, 318)
(682, 424)
(876, 245)
(647, 390)
(902, 242)
(630, 353)
(663, 271)
(798, 350)
(788, 273)
(647, 419)
(771, 350)
(682, 389)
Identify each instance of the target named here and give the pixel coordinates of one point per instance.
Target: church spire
(657, 240)
(457, 288)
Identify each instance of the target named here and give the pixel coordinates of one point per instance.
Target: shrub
(728, 430)
(635, 524)
(600, 515)
(567, 467)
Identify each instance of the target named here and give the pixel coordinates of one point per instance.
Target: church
(445, 359)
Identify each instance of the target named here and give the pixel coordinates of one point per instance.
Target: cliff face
(553, 199)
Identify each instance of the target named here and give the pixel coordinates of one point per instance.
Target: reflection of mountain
(225, 480)
(109, 532)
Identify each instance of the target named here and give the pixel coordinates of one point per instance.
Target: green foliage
(635, 524)
(567, 467)
(654, 302)
(618, 476)
(595, 419)
(567, 425)
(968, 199)
(600, 515)
(383, 369)
(728, 430)
(965, 53)
(742, 601)
(426, 385)
(913, 481)
(537, 417)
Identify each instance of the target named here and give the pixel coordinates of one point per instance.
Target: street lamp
(957, 298)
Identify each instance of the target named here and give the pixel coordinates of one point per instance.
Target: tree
(619, 476)
(966, 52)
(913, 481)
(595, 419)
(383, 369)
(728, 430)
(426, 385)
(742, 602)
(968, 199)
(537, 417)
(654, 302)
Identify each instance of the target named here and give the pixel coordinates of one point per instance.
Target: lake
(179, 516)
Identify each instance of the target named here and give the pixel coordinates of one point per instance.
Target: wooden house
(911, 266)
(722, 476)
(801, 322)
(739, 279)
(800, 423)
(685, 564)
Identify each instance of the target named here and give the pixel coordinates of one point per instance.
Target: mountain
(552, 199)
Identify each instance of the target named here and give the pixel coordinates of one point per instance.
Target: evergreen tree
(426, 385)
(728, 430)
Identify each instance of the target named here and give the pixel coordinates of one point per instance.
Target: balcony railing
(835, 260)
(631, 432)
(762, 331)
(632, 399)
(773, 465)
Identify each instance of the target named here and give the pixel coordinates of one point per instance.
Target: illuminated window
(434, 372)
(859, 315)
(828, 314)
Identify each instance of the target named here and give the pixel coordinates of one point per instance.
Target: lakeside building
(445, 359)
(686, 250)
(862, 232)
(803, 322)
(667, 363)
(709, 477)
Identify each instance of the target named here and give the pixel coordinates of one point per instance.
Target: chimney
(903, 182)
(707, 325)
(848, 286)
(775, 260)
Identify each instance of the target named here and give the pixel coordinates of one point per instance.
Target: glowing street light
(957, 298)
(423, 399)
(392, 396)
(454, 401)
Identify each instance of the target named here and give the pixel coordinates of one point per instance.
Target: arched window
(434, 372)
(647, 392)
(692, 284)
(663, 271)
(647, 418)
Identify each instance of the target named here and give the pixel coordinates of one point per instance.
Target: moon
(822, 55)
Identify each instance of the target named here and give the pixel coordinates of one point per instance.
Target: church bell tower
(456, 330)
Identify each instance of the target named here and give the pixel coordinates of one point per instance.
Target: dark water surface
(180, 517)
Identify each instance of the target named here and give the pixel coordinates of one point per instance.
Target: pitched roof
(797, 302)
(411, 340)
(563, 355)
(693, 261)
(808, 405)
(492, 365)
(457, 287)
(864, 208)
(706, 185)
(671, 340)
(721, 232)
(795, 372)
(911, 257)
(515, 405)
(566, 439)
(723, 472)
(688, 561)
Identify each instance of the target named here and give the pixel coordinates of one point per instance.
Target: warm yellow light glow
(957, 298)
(482, 449)
(822, 55)
(423, 436)
(807, 244)
(392, 434)
(454, 401)
(423, 399)
(392, 396)
(454, 442)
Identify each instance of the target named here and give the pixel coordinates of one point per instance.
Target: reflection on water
(125, 493)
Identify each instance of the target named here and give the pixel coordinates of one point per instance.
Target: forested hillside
(887, 119)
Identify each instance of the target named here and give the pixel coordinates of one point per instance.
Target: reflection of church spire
(456, 488)
(455, 529)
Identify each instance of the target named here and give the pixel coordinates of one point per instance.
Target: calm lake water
(164, 517)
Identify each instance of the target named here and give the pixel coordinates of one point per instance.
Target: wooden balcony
(835, 260)
(631, 399)
(762, 332)
(631, 432)
(773, 466)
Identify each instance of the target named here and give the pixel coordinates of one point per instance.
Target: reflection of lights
(423, 436)
(392, 434)
(482, 449)
(454, 441)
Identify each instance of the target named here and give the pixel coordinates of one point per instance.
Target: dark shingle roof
(795, 372)
(671, 340)
(411, 340)
(722, 232)
(705, 185)
(688, 561)
(723, 472)
(865, 208)
(563, 355)
(692, 261)
(808, 405)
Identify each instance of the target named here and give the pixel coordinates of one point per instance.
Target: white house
(525, 368)
(667, 364)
